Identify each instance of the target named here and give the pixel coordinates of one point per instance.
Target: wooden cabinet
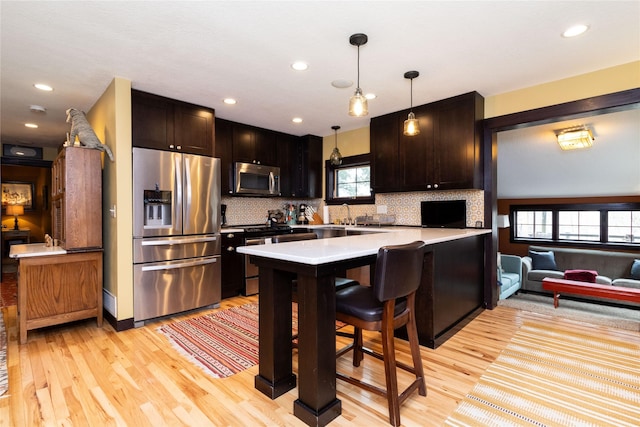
(254, 145)
(77, 198)
(286, 147)
(55, 289)
(444, 156)
(224, 151)
(166, 124)
(306, 170)
(299, 158)
(232, 265)
(457, 135)
(385, 153)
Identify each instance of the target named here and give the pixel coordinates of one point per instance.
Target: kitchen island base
(453, 283)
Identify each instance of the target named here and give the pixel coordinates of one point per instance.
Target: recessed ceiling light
(43, 86)
(342, 83)
(299, 66)
(576, 30)
(229, 101)
(296, 120)
(371, 96)
(31, 125)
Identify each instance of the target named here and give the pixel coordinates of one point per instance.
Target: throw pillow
(635, 269)
(543, 260)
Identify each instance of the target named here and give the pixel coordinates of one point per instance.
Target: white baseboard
(109, 303)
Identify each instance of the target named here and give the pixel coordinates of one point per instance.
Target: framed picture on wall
(17, 193)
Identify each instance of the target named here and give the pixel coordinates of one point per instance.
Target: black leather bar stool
(386, 306)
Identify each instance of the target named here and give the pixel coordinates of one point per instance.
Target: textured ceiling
(202, 52)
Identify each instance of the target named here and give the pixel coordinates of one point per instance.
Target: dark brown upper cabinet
(166, 124)
(298, 157)
(445, 155)
(254, 145)
(306, 169)
(224, 151)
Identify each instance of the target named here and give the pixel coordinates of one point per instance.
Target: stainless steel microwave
(257, 180)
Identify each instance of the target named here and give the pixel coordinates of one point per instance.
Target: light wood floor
(84, 376)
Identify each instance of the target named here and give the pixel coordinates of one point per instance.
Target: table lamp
(15, 210)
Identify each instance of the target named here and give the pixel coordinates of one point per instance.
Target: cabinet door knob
(428, 185)
(231, 249)
(435, 185)
(179, 147)
(171, 146)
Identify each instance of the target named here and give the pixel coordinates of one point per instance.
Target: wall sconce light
(503, 221)
(15, 210)
(411, 125)
(358, 103)
(336, 157)
(576, 137)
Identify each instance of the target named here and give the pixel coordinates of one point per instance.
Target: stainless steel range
(257, 235)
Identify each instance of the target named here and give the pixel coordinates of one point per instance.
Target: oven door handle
(174, 266)
(178, 241)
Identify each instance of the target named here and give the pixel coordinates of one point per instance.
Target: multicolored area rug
(556, 377)
(222, 343)
(8, 290)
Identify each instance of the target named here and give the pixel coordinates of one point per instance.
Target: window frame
(603, 208)
(347, 162)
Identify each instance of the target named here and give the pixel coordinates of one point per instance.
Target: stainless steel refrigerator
(176, 233)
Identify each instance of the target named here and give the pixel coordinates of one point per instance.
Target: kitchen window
(607, 224)
(349, 182)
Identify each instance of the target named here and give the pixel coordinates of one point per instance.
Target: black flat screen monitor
(444, 213)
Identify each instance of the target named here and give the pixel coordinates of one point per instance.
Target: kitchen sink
(328, 232)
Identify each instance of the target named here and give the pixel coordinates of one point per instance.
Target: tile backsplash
(405, 206)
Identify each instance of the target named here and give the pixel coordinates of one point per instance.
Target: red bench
(591, 289)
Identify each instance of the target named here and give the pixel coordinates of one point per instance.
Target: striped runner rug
(556, 377)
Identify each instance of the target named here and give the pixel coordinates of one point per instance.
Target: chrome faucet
(348, 218)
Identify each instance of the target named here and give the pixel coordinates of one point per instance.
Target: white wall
(531, 164)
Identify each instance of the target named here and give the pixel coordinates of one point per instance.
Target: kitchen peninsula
(451, 290)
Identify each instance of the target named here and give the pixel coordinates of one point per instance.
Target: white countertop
(321, 251)
(34, 249)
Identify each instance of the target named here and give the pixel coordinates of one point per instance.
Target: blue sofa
(509, 275)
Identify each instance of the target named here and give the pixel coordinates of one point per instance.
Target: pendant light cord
(411, 109)
(358, 67)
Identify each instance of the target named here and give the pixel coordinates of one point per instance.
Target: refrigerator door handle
(178, 241)
(177, 200)
(179, 265)
(187, 186)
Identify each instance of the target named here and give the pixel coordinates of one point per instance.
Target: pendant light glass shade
(411, 125)
(358, 103)
(336, 157)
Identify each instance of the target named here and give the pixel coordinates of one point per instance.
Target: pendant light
(358, 103)
(336, 157)
(411, 125)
